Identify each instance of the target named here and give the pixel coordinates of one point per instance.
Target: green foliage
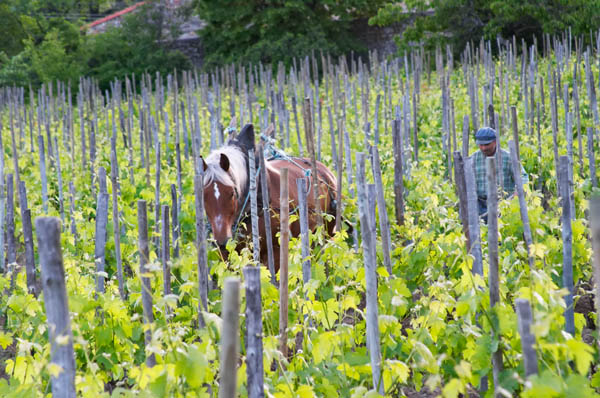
(11, 31)
(257, 31)
(135, 47)
(16, 70)
(45, 47)
(51, 60)
(456, 22)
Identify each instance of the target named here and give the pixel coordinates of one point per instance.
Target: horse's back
(300, 168)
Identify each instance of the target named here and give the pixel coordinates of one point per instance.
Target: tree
(52, 60)
(269, 31)
(138, 46)
(11, 31)
(456, 22)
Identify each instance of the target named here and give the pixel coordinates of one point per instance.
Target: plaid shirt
(508, 180)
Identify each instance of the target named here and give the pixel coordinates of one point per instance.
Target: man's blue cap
(485, 135)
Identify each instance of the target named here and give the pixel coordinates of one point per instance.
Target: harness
(271, 152)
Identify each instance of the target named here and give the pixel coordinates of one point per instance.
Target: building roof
(114, 15)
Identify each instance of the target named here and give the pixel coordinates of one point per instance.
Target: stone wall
(191, 48)
(377, 38)
(371, 37)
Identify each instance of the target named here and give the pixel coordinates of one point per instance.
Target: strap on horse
(271, 152)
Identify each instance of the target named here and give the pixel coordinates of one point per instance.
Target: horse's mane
(237, 168)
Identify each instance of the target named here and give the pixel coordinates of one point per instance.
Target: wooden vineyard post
(310, 145)
(142, 216)
(569, 134)
(595, 236)
(465, 137)
(29, 254)
(165, 256)
(175, 220)
(264, 186)
(473, 217)
(340, 170)
(157, 206)
(254, 332)
(43, 174)
(201, 243)
(349, 178)
(384, 225)
(101, 224)
(515, 130)
(494, 281)
(116, 223)
(373, 338)
(2, 209)
(398, 178)
(229, 338)
(11, 246)
(59, 183)
(48, 231)
(304, 230)
(516, 168)
(567, 236)
(72, 210)
(254, 207)
(461, 189)
(592, 157)
(283, 260)
(525, 320)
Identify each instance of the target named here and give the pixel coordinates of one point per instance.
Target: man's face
(488, 149)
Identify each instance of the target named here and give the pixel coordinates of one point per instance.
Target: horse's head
(226, 184)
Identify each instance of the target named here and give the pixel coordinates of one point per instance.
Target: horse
(227, 188)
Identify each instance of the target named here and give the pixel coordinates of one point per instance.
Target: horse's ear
(224, 162)
(204, 165)
(246, 137)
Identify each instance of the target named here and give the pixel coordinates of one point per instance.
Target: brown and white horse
(226, 190)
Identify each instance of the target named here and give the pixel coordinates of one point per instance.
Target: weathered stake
(48, 231)
(516, 168)
(201, 244)
(567, 236)
(100, 239)
(494, 281)
(229, 338)
(525, 320)
(373, 338)
(145, 280)
(304, 229)
(283, 261)
(384, 226)
(254, 331)
(473, 216)
(264, 186)
(595, 236)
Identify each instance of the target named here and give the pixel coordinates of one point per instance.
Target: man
(487, 141)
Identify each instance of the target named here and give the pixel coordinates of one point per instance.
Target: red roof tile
(115, 15)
